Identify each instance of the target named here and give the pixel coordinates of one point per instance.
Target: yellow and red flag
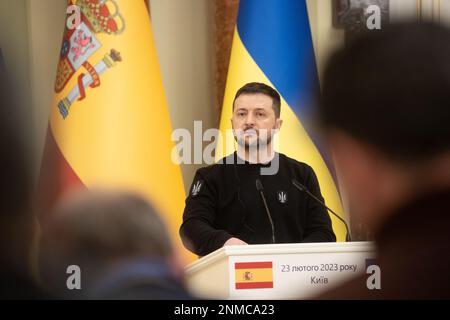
(253, 275)
(109, 121)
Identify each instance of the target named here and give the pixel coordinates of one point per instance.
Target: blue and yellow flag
(273, 44)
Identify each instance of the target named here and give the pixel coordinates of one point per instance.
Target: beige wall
(14, 44)
(46, 25)
(182, 36)
(325, 37)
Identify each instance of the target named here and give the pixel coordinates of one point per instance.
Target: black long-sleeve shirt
(223, 202)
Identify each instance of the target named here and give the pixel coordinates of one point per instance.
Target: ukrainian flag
(273, 44)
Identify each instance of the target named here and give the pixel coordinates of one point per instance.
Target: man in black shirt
(224, 206)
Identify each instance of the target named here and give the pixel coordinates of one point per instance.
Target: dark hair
(103, 225)
(391, 88)
(95, 228)
(257, 87)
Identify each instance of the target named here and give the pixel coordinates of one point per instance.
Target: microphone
(260, 189)
(299, 186)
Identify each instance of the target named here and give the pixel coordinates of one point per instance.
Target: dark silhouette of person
(16, 217)
(118, 242)
(385, 111)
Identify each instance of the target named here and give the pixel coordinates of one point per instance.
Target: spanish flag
(272, 44)
(109, 122)
(253, 275)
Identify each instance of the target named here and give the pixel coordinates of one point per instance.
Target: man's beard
(261, 141)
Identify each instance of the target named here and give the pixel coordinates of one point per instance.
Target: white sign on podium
(277, 271)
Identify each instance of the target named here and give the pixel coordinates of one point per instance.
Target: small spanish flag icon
(253, 275)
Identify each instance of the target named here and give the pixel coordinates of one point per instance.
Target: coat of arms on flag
(81, 43)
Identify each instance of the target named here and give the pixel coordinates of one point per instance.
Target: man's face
(254, 120)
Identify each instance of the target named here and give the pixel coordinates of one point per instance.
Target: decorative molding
(224, 13)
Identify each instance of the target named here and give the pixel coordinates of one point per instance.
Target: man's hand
(234, 242)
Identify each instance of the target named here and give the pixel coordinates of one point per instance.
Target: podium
(277, 271)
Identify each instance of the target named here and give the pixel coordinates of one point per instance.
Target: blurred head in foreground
(119, 243)
(385, 108)
(386, 111)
